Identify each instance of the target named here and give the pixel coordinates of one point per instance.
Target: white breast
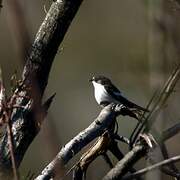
(101, 94)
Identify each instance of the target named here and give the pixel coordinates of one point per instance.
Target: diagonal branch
(26, 121)
(172, 131)
(161, 100)
(165, 93)
(153, 167)
(105, 119)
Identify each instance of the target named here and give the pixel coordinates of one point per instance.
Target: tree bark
(26, 119)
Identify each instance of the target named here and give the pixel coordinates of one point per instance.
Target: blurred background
(135, 43)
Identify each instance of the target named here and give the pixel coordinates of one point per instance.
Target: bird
(106, 92)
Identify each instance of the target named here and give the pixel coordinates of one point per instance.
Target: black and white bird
(105, 93)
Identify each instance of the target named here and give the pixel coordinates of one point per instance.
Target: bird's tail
(130, 104)
(140, 108)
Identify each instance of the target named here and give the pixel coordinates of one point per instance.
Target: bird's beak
(90, 80)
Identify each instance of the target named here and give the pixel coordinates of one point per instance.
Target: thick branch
(47, 41)
(103, 121)
(25, 121)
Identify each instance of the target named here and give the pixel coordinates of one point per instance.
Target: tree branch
(105, 119)
(161, 99)
(172, 131)
(150, 168)
(26, 121)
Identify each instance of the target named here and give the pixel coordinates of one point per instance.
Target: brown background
(118, 39)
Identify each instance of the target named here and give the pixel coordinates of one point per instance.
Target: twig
(171, 169)
(172, 131)
(150, 168)
(161, 100)
(165, 136)
(140, 125)
(121, 138)
(164, 95)
(161, 138)
(166, 156)
(11, 147)
(5, 114)
(170, 172)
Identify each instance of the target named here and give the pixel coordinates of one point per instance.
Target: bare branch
(172, 131)
(5, 113)
(161, 99)
(150, 168)
(103, 121)
(11, 147)
(170, 172)
(26, 121)
(123, 165)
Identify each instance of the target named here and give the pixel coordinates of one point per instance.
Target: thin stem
(161, 100)
(153, 167)
(140, 125)
(11, 147)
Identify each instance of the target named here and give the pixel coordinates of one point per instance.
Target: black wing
(116, 94)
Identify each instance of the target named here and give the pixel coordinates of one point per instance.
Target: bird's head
(100, 80)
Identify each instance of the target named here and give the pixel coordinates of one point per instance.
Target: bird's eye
(92, 79)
